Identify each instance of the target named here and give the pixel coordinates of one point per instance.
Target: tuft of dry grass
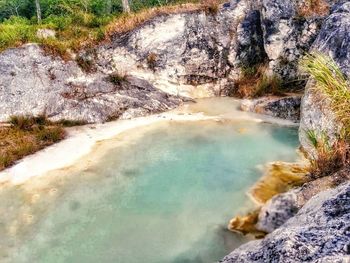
(211, 6)
(330, 158)
(255, 83)
(26, 136)
(333, 84)
(311, 8)
(129, 21)
(152, 61)
(335, 88)
(117, 78)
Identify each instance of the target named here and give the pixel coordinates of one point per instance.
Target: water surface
(158, 194)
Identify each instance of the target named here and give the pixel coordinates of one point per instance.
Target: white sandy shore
(79, 142)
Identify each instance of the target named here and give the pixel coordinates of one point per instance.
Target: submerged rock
(280, 107)
(319, 232)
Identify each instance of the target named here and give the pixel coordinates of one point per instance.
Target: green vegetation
(25, 136)
(81, 23)
(332, 83)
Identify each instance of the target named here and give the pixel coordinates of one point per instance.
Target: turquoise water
(162, 194)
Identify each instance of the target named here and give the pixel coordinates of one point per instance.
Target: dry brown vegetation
(25, 136)
(334, 88)
(254, 83)
(128, 22)
(330, 158)
(312, 8)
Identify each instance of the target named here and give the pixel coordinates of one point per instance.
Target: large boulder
(316, 112)
(319, 232)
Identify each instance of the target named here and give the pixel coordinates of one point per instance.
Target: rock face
(319, 232)
(284, 206)
(34, 83)
(277, 211)
(333, 40)
(285, 107)
(191, 54)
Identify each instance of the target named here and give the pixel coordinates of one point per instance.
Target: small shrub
(26, 123)
(332, 83)
(255, 83)
(71, 123)
(22, 122)
(117, 78)
(329, 158)
(152, 60)
(310, 8)
(50, 135)
(211, 6)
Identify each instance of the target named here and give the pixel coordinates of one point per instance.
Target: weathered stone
(316, 112)
(34, 83)
(318, 233)
(195, 55)
(277, 211)
(280, 107)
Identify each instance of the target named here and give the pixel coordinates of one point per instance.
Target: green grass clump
(332, 83)
(334, 86)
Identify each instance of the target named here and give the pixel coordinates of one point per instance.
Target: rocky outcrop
(284, 206)
(281, 107)
(277, 211)
(319, 232)
(288, 34)
(192, 54)
(316, 112)
(32, 82)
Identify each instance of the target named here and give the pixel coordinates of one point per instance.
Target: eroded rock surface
(284, 107)
(34, 83)
(316, 112)
(319, 232)
(191, 54)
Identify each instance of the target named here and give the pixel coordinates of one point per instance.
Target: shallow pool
(157, 194)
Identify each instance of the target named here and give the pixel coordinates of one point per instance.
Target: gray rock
(318, 233)
(277, 211)
(316, 112)
(287, 36)
(191, 54)
(280, 107)
(34, 83)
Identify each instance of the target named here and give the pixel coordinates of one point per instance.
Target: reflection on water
(165, 196)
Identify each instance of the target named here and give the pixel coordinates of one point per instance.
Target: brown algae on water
(279, 178)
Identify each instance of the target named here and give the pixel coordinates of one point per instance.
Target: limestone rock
(316, 113)
(192, 54)
(34, 83)
(280, 107)
(277, 211)
(319, 232)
